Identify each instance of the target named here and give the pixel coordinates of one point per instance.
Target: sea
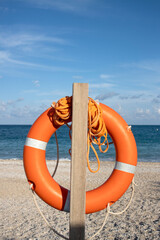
(12, 140)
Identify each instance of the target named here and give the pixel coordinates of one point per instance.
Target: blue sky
(46, 45)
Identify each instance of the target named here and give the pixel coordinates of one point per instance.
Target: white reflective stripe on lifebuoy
(31, 142)
(67, 203)
(125, 167)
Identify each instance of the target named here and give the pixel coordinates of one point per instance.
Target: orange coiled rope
(96, 130)
(96, 125)
(63, 110)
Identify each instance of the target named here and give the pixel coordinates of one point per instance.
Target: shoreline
(21, 220)
(68, 159)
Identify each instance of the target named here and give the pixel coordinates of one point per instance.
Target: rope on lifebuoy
(115, 213)
(108, 212)
(96, 126)
(55, 134)
(42, 215)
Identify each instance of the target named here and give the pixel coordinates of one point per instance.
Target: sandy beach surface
(20, 219)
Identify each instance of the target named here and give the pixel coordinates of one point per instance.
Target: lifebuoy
(59, 197)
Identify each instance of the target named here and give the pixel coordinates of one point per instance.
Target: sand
(20, 219)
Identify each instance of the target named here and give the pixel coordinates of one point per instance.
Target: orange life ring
(59, 197)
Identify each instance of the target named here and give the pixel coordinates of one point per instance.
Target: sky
(47, 45)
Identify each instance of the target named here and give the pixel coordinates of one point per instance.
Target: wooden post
(78, 162)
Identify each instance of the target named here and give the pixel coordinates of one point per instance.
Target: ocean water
(12, 139)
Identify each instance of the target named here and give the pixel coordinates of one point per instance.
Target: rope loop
(97, 132)
(63, 110)
(108, 210)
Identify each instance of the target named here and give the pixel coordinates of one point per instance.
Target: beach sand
(20, 219)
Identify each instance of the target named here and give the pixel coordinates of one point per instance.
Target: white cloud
(2, 106)
(36, 83)
(157, 110)
(77, 77)
(26, 49)
(11, 102)
(75, 6)
(24, 114)
(147, 111)
(106, 95)
(5, 57)
(140, 110)
(105, 76)
(101, 85)
(156, 99)
(135, 96)
(120, 109)
(5, 105)
(144, 113)
(33, 44)
(11, 40)
(150, 65)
